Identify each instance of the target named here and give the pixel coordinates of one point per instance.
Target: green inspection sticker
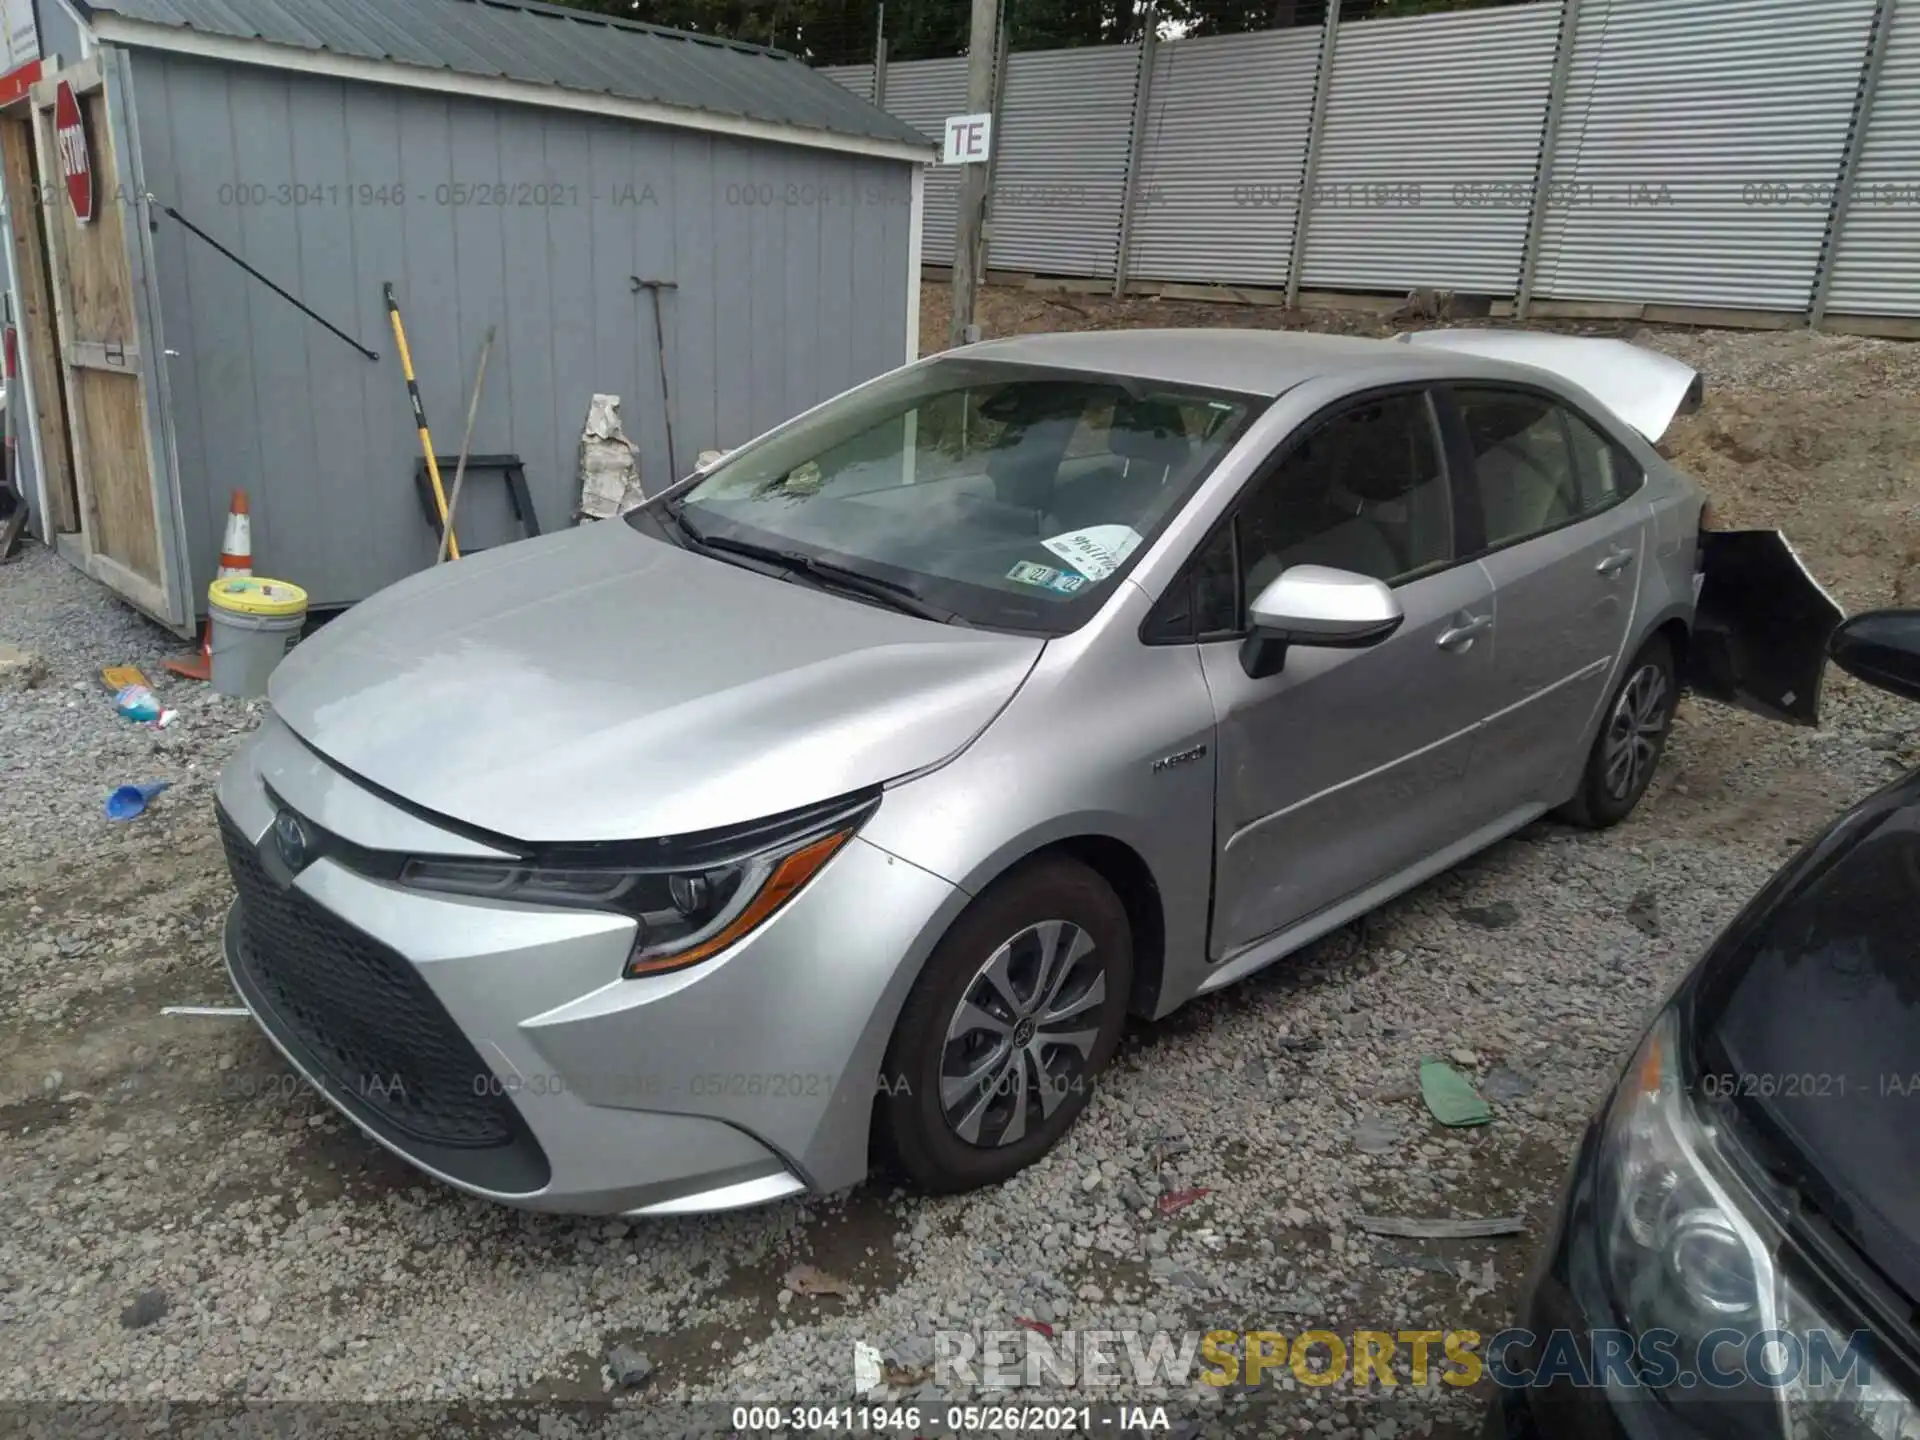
(1045, 577)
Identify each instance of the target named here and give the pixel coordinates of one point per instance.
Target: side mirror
(1881, 647)
(1316, 605)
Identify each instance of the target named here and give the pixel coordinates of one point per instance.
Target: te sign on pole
(969, 140)
(76, 158)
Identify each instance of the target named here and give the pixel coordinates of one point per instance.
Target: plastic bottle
(138, 704)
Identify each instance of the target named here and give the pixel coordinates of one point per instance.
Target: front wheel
(1632, 737)
(1019, 1008)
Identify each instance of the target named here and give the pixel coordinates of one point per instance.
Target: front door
(1346, 767)
(1566, 539)
(128, 527)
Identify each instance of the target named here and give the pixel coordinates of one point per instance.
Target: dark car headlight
(1689, 1248)
(686, 913)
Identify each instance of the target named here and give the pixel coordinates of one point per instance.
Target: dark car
(1738, 1249)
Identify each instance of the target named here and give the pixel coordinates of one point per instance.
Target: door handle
(1460, 636)
(1615, 562)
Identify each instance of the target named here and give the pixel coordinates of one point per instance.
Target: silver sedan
(837, 806)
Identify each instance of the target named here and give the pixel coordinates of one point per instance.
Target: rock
(1132, 1196)
(1501, 1084)
(1497, 916)
(260, 1312)
(20, 669)
(1376, 1135)
(1465, 1057)
(1643, 913)
(628, 1366)
(147, 1307)
(1092, 1181)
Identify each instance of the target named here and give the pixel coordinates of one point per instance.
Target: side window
(1607, 473)
(1202, 602)
(1216, 606)
(1365, 491)
(1523, 462)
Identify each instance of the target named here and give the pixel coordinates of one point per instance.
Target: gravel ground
(180, 1220)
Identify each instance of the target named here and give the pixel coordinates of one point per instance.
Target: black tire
(1645, 695)
(918, 1132)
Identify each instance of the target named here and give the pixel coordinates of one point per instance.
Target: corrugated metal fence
(1730, 154)
(1217, 192)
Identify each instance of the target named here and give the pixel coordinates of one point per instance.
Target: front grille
(361, 1013)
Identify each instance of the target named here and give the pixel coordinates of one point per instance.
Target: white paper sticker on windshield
(1097, 551)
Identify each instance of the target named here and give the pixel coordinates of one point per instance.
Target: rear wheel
(1631, 740)
(1019, 1008)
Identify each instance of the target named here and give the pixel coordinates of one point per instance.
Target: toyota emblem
(290, 839)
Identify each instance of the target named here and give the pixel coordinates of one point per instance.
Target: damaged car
(841, 802)
(1737, 1252)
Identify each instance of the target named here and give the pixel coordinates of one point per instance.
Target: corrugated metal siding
(924, 93)
(1877, 265)
(1429, 152)
(542, 46)
(790, 265)
(857, 78)
(1226, 137)
(1700, 141)
(1061, 169)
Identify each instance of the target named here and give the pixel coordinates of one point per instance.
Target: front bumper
(496, 1046)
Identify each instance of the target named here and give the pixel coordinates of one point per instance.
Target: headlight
(1690, 1250)
(687, 910)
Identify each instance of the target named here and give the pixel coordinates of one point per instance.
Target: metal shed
(263, 170)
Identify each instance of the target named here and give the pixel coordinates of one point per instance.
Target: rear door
(1563, 534)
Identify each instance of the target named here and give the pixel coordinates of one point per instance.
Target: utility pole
(968, 256)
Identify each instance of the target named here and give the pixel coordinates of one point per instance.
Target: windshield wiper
(837, 577)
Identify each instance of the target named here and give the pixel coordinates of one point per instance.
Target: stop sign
(76, 158)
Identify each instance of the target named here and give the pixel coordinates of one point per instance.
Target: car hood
(1814, 1003)
(599, 684)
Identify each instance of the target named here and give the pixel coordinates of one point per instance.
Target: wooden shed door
(126, 541)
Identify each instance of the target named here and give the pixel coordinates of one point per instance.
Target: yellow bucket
(253, 595)
(254, 620)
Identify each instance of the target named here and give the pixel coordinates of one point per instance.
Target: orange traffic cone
(236, 558)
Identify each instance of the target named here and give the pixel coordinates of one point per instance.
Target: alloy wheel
(1634, 732)
(1019, 1042)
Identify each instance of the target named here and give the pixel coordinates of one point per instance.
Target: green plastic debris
(1450, 1096)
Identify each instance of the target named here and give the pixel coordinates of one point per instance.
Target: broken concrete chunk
(20, 669)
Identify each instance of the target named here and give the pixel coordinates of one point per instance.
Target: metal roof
(542, 45)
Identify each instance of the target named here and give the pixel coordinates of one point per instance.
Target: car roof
(1634, 386)
(1252, 362)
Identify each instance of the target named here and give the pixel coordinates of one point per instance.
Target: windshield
(1010, 496)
